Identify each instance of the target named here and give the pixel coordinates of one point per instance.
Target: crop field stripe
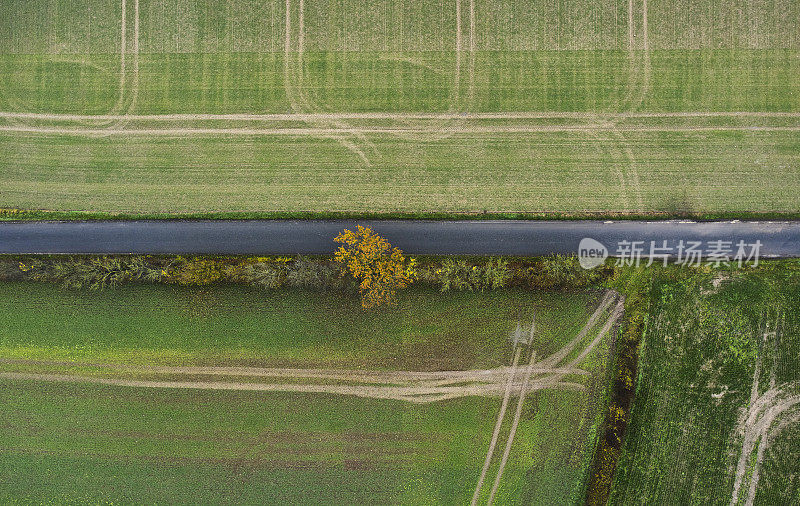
(630, 26)
(399, 116)
(395, 116)
(123, 46)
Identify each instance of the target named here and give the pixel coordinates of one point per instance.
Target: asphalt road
(522, 238)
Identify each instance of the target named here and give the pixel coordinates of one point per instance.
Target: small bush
(558, 271)
(496, 273)
(263, 274)
(10, 271)
(95, 274)
(460, 275)
(305, 273)
(194, 271)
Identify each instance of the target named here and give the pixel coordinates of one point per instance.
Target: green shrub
(10, 271)
(194, 271)
(558, 271)
(95, 273)
(460, 275)
(306, 273)
(266, 275)
(455, 275)
(496, 273)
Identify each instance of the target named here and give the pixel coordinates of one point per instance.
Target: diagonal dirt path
(526, 386)
(496, 432)
(513, 431)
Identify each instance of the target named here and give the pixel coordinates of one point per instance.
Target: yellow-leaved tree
(380, 269)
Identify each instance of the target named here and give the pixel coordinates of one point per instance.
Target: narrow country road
(289, 237)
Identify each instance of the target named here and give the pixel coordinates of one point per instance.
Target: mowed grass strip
(716, 171)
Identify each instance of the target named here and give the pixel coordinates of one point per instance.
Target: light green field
(121, 442)
(238, 325)
(716, 417)
(381, 107)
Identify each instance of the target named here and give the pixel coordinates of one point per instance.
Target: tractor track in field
(639, 77)
(765, 417)
(416, 394)
(410, 386)
(356, 375)
(413, 386)
(113, 120)
(496, 433)
(544, 382)
(399, 116)
(488, 130)
(294, 76)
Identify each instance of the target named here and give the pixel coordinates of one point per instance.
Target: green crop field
(229, 394)
(238, 325)
(465, 105)
(715, 418)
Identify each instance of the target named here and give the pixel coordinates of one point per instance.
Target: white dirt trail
(547, 383)
(513, 430)
(526, 386)
(496, 433)
(416, 393)
(476, 116)
(352, 375)
(331, 131)
(757, 425)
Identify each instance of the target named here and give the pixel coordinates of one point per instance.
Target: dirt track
(396, 116)
(545, 382)
(412, 386)
(757, 424)
(326, 132)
